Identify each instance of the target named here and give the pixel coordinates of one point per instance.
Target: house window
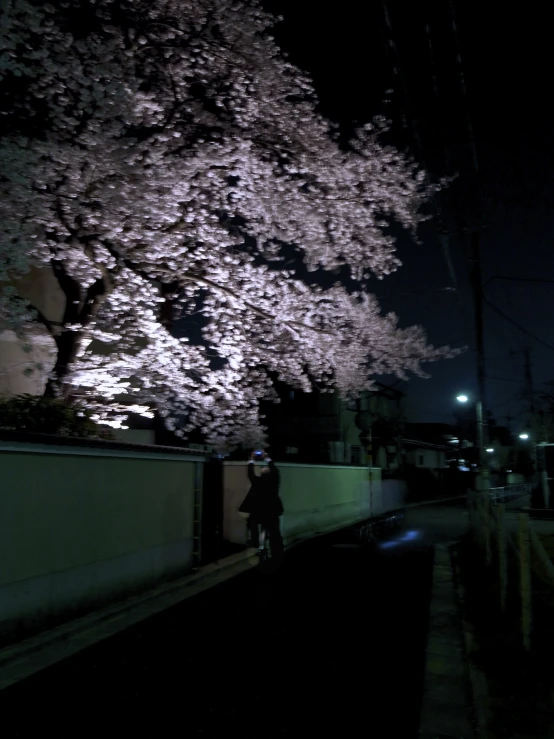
(421, 460)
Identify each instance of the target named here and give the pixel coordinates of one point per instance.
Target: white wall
(80, 526)
(15, 362)
(135, 436)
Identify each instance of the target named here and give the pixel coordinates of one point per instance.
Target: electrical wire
(516, 324)
(408, 116)
(518, 279)
(505, 379)
(463, 88)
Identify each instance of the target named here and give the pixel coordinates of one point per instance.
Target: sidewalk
(451, 703)
(541, 526)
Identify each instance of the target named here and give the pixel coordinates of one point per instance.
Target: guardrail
(510, 492)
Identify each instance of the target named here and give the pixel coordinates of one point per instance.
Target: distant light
(490, 451)
(524, 436)
(462, 398)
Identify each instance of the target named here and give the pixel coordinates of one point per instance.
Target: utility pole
(364, 421)
(483, 483)
(536, 428)
(508, 419)
(529, 388)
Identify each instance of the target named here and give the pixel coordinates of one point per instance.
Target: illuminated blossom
(164, 152)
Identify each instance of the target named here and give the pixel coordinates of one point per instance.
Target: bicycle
(270, 555)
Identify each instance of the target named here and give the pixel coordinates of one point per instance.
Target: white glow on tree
(160, 154)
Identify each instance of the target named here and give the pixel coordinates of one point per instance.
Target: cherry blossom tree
(165, 160)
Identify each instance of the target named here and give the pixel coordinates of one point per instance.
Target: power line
(463, 89)
(516, 324)
(434, 78)
(505, 379)
(411, 120)
(518, 279)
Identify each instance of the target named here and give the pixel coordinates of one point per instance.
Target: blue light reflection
(406, 536)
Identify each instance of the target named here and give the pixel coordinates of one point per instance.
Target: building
(322, 427)
(26, 364)
(430, 446)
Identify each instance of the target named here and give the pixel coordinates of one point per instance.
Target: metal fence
(502, 540)
(510, 492)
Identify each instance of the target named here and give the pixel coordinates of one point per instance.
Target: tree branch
(257, 311)
(92, 303)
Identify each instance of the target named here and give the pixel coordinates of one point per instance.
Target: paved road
(333, 643)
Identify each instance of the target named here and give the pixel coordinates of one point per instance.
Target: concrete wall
(514, 478)
(19, 369)
(317, 498)
(41, 288)
(80, 526)
(135, 436)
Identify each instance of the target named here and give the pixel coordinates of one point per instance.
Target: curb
(478, 679)
(434, 502)
(447, 710)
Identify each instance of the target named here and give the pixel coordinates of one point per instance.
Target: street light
(524, 436)
(489, 450)
(482, 481)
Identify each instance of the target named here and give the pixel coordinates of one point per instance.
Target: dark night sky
(507, 68)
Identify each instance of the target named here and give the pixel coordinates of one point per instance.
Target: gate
(212, 511)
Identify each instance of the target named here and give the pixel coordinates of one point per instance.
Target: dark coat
(262, 501)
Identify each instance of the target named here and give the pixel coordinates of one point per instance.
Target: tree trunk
(68, 345)
(81, 307)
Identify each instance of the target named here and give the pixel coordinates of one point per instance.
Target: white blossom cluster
(151, 143)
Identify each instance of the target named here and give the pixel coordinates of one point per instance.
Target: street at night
(276, 387)
(333, 642)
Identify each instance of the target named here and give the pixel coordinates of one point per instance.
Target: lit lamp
(524, 436)
(482, 482)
